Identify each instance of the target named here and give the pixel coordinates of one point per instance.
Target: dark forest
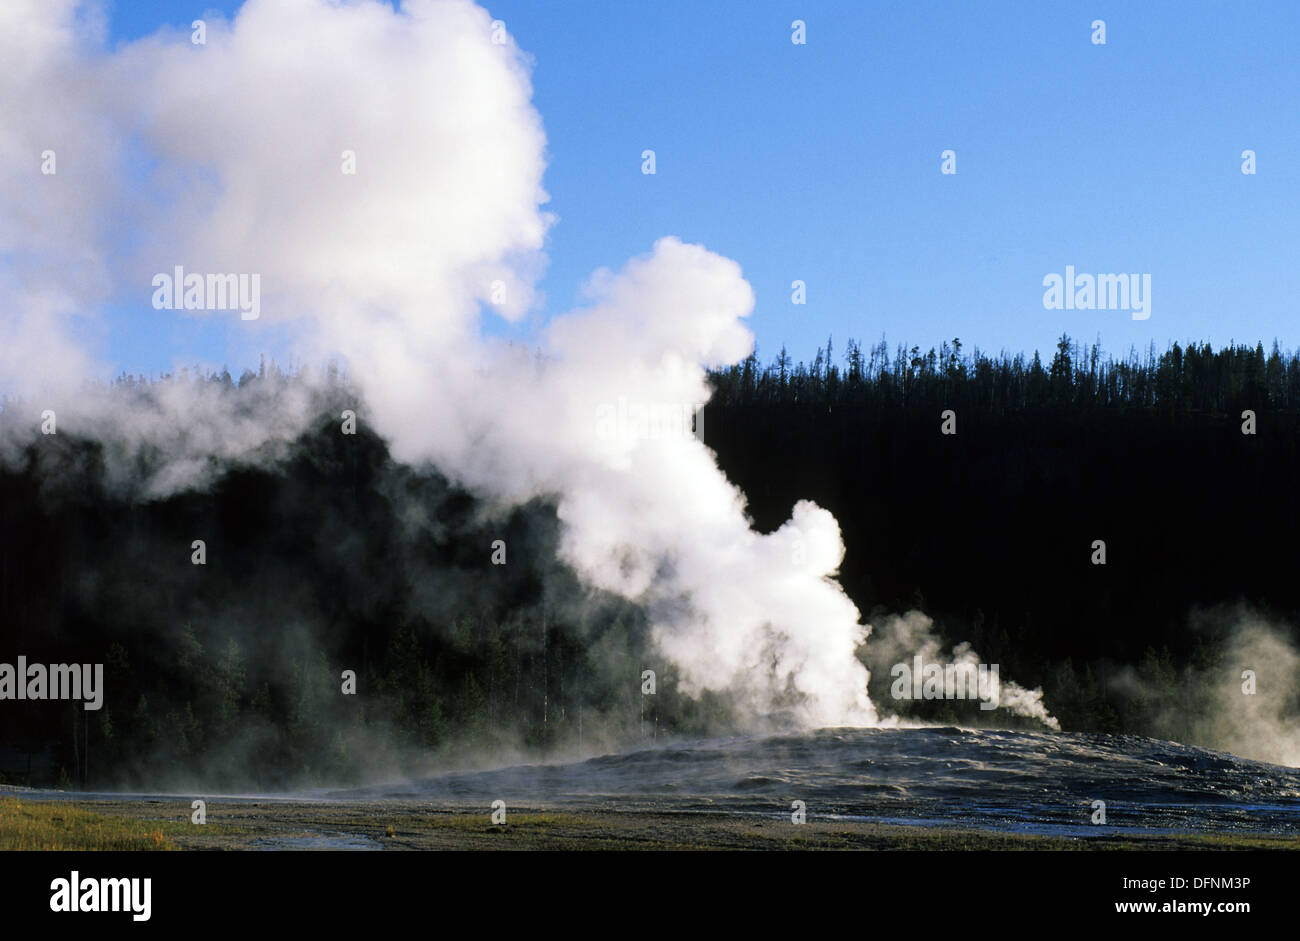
(336, 557)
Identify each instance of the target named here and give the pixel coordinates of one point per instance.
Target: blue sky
(821, 162)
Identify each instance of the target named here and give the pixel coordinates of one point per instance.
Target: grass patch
(58, 825)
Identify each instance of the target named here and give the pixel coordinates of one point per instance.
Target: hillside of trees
(336, 558)
(990, 530)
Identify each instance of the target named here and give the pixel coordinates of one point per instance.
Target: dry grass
(58, 825)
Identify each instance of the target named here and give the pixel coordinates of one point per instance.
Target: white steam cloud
(902, 637)
(1255, 706)
(228, 157)
(1246, 700)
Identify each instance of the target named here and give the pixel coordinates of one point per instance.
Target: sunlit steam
(232, 159)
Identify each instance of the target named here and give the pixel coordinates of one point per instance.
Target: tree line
(337, 558)
(991, 529)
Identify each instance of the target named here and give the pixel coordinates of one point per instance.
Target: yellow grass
(59, 825)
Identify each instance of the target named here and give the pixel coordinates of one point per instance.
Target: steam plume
(226, 157)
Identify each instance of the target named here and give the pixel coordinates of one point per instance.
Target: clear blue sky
(821, 162)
